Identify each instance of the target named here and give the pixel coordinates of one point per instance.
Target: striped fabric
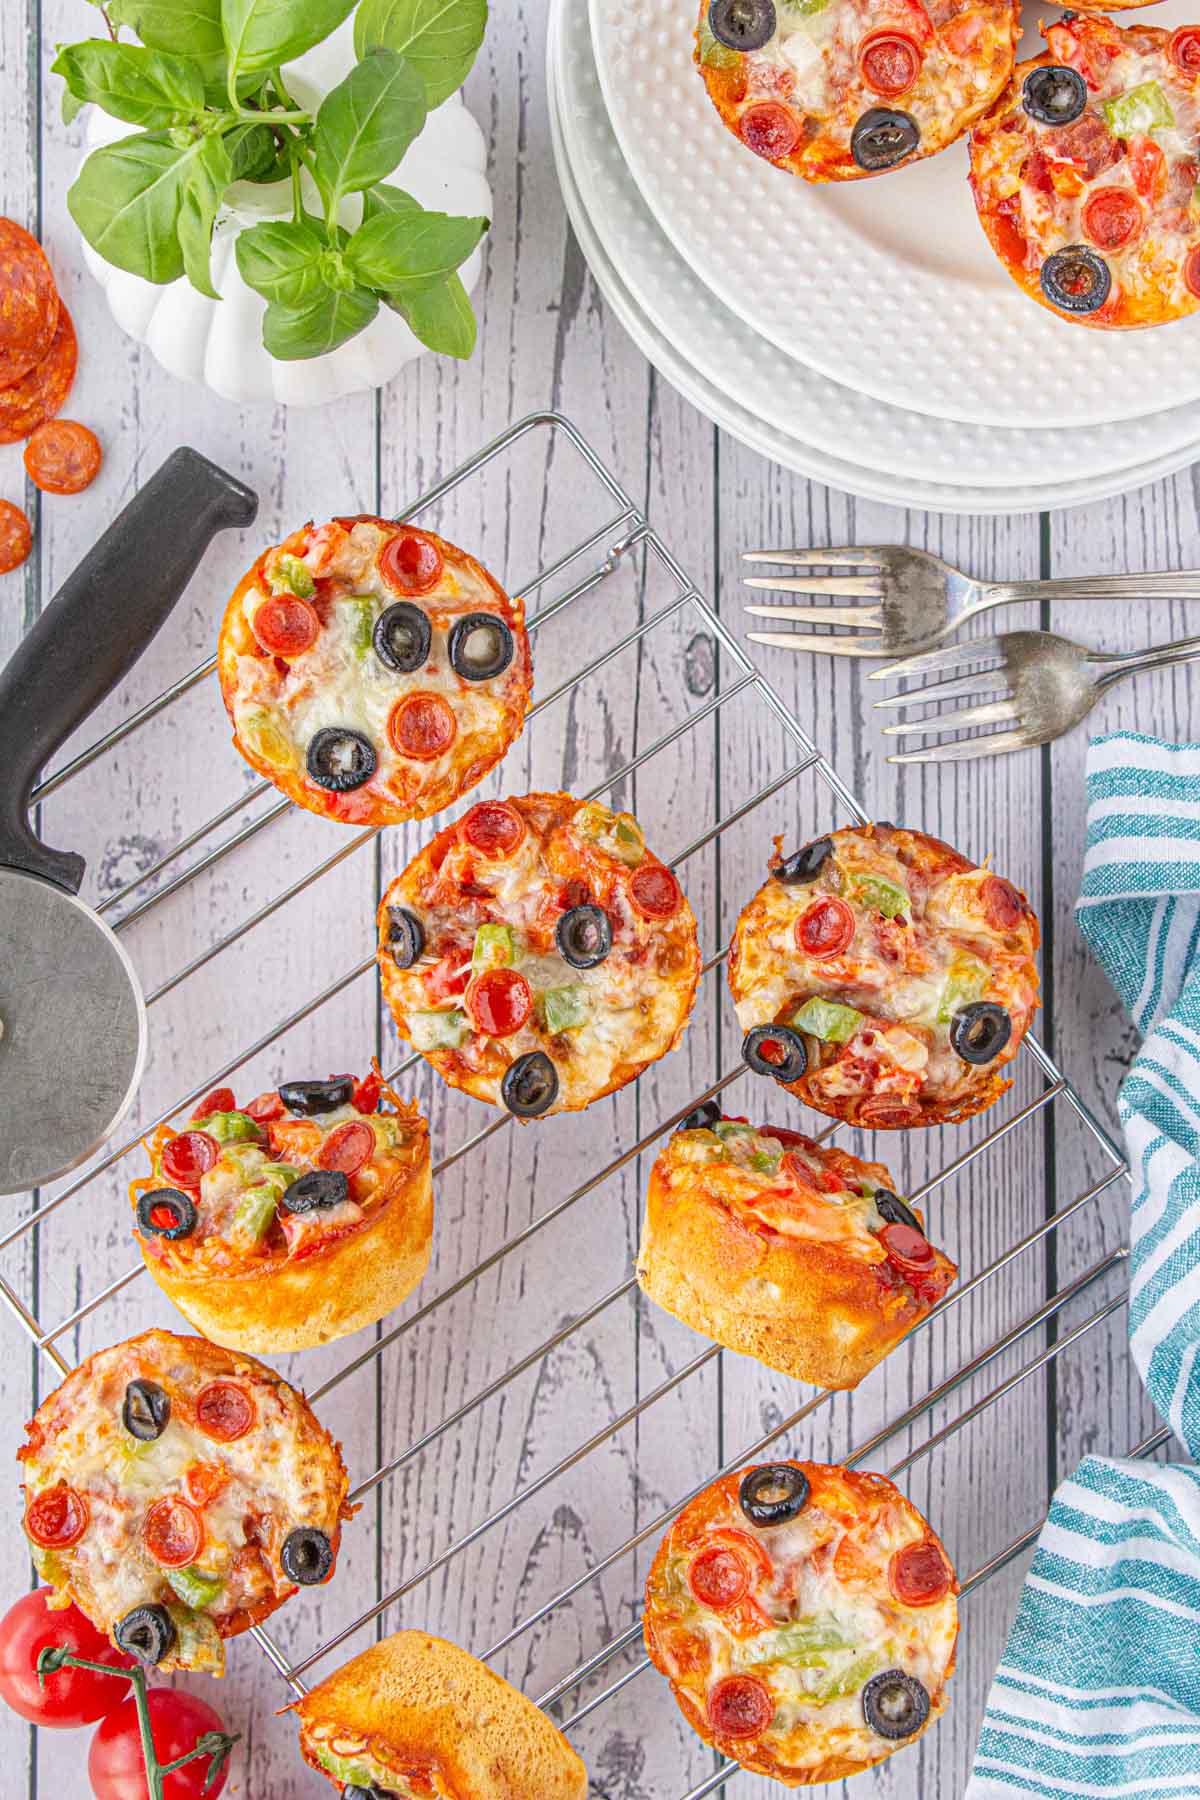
(1099, 1690)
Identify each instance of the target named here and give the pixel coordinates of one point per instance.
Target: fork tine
(829, 645)
(995, 713)
(995, 744)
(983, 681)
(950, 656)
(817, 584)
(819, 615)
(845, 557)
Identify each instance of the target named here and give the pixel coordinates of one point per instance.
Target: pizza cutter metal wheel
(72, 1017)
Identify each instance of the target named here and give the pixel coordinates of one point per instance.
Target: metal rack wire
(625, 530)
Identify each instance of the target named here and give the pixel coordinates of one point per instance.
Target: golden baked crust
(791, 1263)
(906, 940)
(278, 704)
(441, 1724)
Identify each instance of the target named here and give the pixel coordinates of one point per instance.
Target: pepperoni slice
(499, 1002)
(740, 1706)
(718, 1577)
(890, 62)
(63, 457)
(1148, 167)
(769, 130)
(38, 395)
(188, 1157)
(365, 1097)
(918, 1575)
(173, 1532)
(57, 1517)
(29, 303)
(1111, 218)
(883, 1112)
(1002, 906)
(220, 1100)
(411, 563)
(907, 1248)
(826, 928)
(1184, 50)
(1191, 272)
(204, 1482)
(654, 891)
(286, 625)
(422, 726)
(266, 1108)
(349, 1148)
(493, 828)
(16, 537)
(224, 1411)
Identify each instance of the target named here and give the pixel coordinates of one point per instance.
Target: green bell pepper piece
(200, 1645)
(564, 1008)
(731, 1128)
(229, 1128)
(1143, 109)
(764, 1163)
(263, 731)
(618, 833)
(881, 895)
(359, 612)
(254, 1213)
(713, 53)
(495, 947)
(806, 1645)
(827, 1020)
(291, 576)
(438, 1030)
(967, 981)
(196, 1589)
(852, 1678)
(700, 1146)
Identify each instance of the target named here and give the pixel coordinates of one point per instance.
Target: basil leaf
(143, 87)
(332, 317)
(442, 317)
(182, 27)
(281, 260)
(440, 38)
(256, 155)
(401, 253)
(208, 177)
(261, 34)
(126, 200)
(366, 123)
(384, 199)
(71, 107)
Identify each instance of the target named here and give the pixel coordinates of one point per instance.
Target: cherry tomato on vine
(177, 1719)
(70, 1697)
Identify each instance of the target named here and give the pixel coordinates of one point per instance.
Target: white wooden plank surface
(547, 341)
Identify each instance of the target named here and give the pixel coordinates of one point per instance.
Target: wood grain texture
(547, 340)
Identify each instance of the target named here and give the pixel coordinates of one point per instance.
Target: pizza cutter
(72, 1017)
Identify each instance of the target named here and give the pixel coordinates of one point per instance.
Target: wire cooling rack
(664, 598)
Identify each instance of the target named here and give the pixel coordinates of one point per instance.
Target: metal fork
(1042, 682)
(921, 600)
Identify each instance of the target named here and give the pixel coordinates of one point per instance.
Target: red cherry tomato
(422, 726)
(499, 1002)
(224, 1411)
(1147, 166)
(365, 1097)
(188, 1157)
(286, 625)
(740, 1706)
(178, 1720)
(890, 62)
(654, 891)
(57, 1517)
(918, 1574)
(769, 130)
(412, 563)
(349, 1148)
(1002, 904)
(826, 929)
(718, 1577)
(220, 1100)
(266, 1109)
(1111, 218)
(1191, 272)
(72, 1697)
(1184, 50)
(173, 1532)
(204, 1481)
(493, 828)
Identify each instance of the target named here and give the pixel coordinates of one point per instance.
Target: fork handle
(1159, 584)
(1163, 657)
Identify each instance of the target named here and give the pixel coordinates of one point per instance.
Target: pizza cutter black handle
(95, 629)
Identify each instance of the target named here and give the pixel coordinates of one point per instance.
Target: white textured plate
(790, 395)
(887, 285)
(782, 447)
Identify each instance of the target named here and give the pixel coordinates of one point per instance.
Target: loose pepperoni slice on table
(286, 625)
(499, 1002)
(740, 1706)
(16, 537)
(57, 1517)
(173, 1532)
(411, 563)
(769, 130)
(266, 1108)
(718, 1577)
(1191, 272)
(224, 1411)
(493, 828)
(63, 457)
(220, 1100)
(826, 928)
(890, 62)
(1184, 50)
(1111, 218)
(654, 891)
(422, 726)
(918, 1575)
(38, 395)
(349, 1148)
(188, 1157)
(29, 302)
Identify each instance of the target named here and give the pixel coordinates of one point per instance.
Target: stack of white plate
(862, 334)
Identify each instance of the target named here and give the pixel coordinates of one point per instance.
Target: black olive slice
(319, 1188)
(980, 1031)
(307, 1555)
(166, 1213)
(775, 1050)
(584, 936)
(402, 637)
(805, 864)
(882, 138)
(530, 1085)
(362, 1793)
(406, 936)
(340, 759)
(742, 24)
(146, 1411)
(704, 1117)
(1054, 95)
(147, 1632)
(306, 1098)
(481, 647)
(892, 1208)
(895, 1704)
(773, 1494)
(1076, 279)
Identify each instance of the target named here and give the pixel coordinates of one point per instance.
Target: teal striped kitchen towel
(1098, 1693)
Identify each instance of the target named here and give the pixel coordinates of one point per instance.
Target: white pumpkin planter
(219, 342)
